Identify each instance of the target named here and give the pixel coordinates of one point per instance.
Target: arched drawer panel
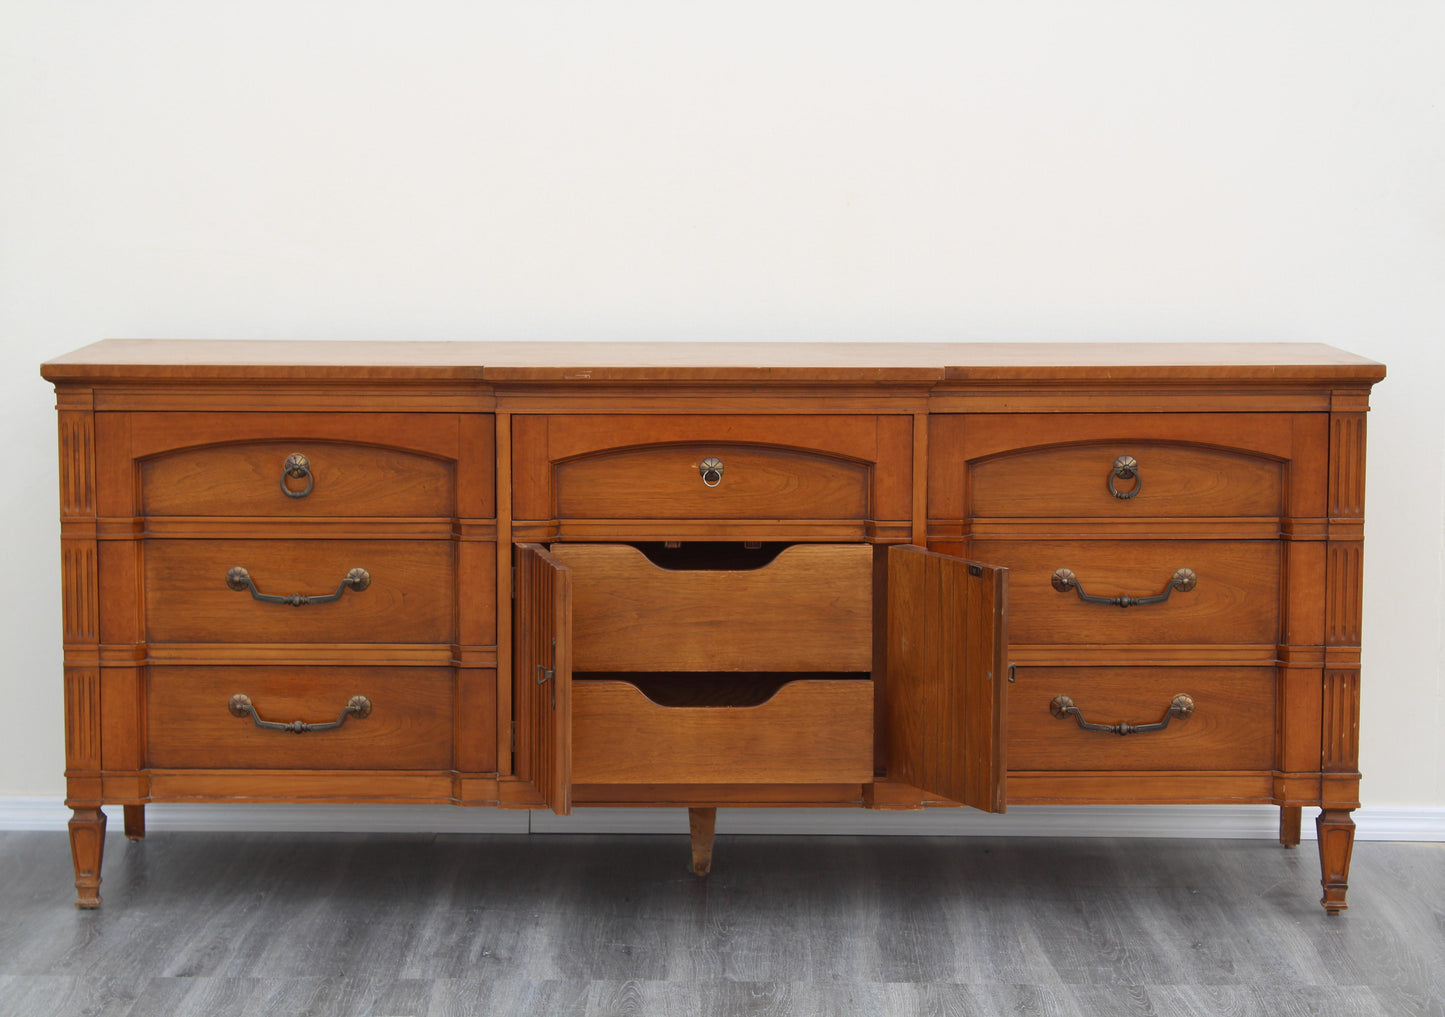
(593, 473)
(752, 482)
(1164, 479)
(332, 479)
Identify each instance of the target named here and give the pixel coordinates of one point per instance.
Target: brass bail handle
(1125, 468)
(1180, 706)
(711, 471)
(240, 705)
(238, 578)
(1183, 580)
(297, 467)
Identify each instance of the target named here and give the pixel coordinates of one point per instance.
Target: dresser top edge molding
(160, 361)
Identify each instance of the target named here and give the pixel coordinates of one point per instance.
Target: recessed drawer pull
(1125, 468)
(711, 470)
(298, 466)
(241, 706)
(1180, 706)
(238, 579)
(1182, 580)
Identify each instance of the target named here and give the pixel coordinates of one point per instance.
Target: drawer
(378, 465)
(808, 609)
(805, 731)
(720, 468)
(1126, 479)
(1232, 726)
(296, 478)
(750, 482)
(407, 722)
(410, 596)
(1235, 598)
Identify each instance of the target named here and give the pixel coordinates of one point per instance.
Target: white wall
(834, 170)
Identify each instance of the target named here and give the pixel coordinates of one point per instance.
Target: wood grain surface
(755, 483)
(572, 465)
(157, 359)
(809, 731)
(809, 609)
(946, 691)
(1236, 600)
(244, 479)
(1171, 480)
(1232, 727)
(409, 727)
(410, 599)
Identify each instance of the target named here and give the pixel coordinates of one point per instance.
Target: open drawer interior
(721, 607)
(707, 729)
(721, 663)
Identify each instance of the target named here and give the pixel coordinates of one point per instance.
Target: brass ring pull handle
(238, 578)
(1182, 580)
(296, 467)
(241, 706)
(711, 470)
(1180, 706)
(1125, 468)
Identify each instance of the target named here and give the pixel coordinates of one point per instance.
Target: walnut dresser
(892, 576)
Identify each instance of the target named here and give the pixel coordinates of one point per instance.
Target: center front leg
(701, 823)
(135, 822)
(1289, 825)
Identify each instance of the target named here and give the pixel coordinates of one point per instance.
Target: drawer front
(809, 609)
(346, 465)
(713, 467)
(1126, 479)
(1234, 599)
(748, 482)
(297, 478)
(192, 595)
(810, 731)
(407, 721)
(1232, 726)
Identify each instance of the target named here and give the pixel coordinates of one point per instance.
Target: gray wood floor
(388, 925)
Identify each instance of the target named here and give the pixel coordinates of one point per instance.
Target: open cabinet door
(946, 680)
(542, 679)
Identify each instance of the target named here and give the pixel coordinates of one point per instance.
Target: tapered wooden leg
(1289, 825)
(701, 823)
(135, 822)
(87, 845)
(1336, 831)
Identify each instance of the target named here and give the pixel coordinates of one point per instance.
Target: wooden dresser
(554, 575)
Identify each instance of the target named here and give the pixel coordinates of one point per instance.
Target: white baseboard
(1226, 822)
(1221, 822)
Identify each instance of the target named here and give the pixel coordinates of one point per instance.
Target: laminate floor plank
(391, 925)
(62, 996)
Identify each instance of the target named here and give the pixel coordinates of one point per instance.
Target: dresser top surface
(160, 360)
